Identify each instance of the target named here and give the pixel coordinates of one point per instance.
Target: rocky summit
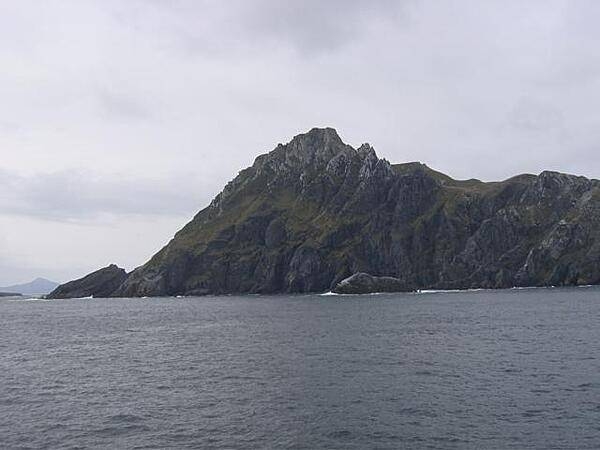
(315, 211)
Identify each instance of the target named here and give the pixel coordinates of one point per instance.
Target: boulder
(363, 283)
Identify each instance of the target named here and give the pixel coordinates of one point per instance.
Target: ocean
(509, 369)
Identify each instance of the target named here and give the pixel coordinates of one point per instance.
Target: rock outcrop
(315, 211)
(363, 283)
(101, 283)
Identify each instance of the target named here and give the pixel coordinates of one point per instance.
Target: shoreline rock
(364, 283)
(101, 283)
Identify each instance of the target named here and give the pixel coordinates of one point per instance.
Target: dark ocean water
(480, 370)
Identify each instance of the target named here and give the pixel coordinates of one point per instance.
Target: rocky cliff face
(315, 211)
(101, 283)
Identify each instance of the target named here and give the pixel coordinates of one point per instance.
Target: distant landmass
(37, 286)
(9, 294)
(316, 215)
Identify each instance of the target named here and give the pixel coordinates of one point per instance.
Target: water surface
(489, 369)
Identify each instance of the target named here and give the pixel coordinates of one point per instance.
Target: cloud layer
(116, 109)
(84, 196)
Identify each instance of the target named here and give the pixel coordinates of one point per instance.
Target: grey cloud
(11, 272)
(76, 195)
(153, 89)
(312, 25)
(216, 28)
(120, 105)
(533, 115)
(9, 127)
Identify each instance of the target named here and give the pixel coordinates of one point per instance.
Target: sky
(120, 120)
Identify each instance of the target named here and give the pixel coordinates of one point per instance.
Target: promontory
(316, 211)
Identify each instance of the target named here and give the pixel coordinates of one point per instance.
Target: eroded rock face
(315, 211)
(363, 283)
(101, 283)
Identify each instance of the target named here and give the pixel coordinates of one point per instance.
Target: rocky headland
(316, 211)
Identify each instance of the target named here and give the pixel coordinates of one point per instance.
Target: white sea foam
(449, 291)
(30, 299)
(439, 291)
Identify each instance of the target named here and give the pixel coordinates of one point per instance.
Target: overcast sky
(121, 119)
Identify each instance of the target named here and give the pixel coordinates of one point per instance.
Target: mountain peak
(365, 150)
(321, 143)
(314, 148)
(320, 134)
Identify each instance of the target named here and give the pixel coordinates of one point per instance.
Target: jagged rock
(363, 283)
(315, 211)
(101, 283)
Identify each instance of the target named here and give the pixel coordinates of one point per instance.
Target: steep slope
(315, 211)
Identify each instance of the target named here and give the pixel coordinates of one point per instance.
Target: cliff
(315, 211)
